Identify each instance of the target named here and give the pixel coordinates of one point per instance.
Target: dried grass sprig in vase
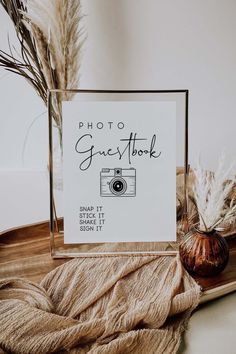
(204, 251)
(50, 41)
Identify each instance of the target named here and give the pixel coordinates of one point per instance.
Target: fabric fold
(99, 305)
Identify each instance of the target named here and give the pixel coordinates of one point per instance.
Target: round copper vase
(204, 254)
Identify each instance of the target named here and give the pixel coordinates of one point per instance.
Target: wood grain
(25, 253)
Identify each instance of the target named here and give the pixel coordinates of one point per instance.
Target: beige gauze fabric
(99, 305)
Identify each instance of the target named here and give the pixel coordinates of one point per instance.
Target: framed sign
(113, 160)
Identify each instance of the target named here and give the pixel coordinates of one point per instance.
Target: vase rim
(204, 232)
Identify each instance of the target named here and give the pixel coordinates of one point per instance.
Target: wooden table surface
(24, 252)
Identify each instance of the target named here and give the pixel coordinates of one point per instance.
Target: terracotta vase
(204, 253)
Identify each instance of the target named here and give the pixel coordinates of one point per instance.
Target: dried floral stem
(28, 64)
(210, 193)
(50, 42)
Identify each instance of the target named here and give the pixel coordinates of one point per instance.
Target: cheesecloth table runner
(99, 305)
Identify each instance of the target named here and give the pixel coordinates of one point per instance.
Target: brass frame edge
(50, 167)
(55, 254)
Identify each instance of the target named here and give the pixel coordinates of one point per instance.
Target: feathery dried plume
(27, 63)
(57, 23)
(50, 40)
(210, 193)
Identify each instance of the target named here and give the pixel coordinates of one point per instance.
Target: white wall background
(139, 44)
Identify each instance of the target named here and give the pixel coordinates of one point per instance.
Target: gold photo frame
(55, 118)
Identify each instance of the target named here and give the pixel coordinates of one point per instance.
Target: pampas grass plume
(210, 193)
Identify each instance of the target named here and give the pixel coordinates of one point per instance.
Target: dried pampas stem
(50, 40)
(210, 193)
(58, 20)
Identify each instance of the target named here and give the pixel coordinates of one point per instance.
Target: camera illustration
(118, 182)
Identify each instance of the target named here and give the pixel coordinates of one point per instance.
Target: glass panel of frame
(57, 101)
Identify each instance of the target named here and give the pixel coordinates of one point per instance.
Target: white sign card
(119, 171)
